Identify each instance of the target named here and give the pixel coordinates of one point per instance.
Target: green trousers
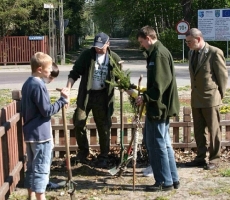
(98, 104)
(207, 125)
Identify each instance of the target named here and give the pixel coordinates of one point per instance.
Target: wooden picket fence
(12, 147)
(19, 49)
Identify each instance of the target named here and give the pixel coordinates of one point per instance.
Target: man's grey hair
(194, 32)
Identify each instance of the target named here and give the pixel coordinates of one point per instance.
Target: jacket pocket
(155, 110)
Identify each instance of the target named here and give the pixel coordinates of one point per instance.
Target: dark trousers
(207, 120)
(99, 105)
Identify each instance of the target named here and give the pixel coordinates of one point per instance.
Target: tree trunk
(186, 7)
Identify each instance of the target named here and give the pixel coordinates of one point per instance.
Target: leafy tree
(10, 12)
(132, 14)
(87, 23)
(73, 10)
(107, 15)
(28, 17)
(23, 17)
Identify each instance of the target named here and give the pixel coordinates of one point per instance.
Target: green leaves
(123, 77)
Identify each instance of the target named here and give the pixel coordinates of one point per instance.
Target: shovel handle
(68, 164)
(139, 84)
(139, 90)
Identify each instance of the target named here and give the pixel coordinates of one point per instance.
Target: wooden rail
(181, 133)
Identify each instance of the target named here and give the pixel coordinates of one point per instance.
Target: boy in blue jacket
(36, 112)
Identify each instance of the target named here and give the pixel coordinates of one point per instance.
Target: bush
(169, 37)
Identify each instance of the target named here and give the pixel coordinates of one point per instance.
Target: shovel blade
(114, 170)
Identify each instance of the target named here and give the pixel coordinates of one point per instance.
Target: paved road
(12, 77)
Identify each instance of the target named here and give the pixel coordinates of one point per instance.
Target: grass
(5, 97)
(219, 190)
(181, 61)
(225, 172)
(184, 88)
(197, 193)
(162, 198)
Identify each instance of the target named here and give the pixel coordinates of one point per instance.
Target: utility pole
(62, 35)
(52, 31)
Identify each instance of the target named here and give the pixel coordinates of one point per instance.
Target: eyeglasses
(192, 40)
(188, 41)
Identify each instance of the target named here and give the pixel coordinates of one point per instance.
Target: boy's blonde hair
(40, 59)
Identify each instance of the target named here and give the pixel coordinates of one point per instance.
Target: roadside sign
(182, 27)
(36, 37)
(48, 5)
(181, 37)
(214, 24)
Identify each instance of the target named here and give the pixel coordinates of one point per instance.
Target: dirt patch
(98, 184)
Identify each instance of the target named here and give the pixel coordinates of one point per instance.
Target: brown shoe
(195, 163)
(210, 166)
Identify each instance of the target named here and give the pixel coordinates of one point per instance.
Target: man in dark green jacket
(94, 66)
(162, 102)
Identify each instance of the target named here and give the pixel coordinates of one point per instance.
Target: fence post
(93, 133)
(125, 137)
(5, 154)
(227, 134)
(16, 95)
(113, 132)
(187, 130)
(176, 131)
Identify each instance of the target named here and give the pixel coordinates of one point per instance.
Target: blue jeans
(161, 154)
(38, 165)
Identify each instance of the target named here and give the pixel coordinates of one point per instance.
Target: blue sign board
(36, 37)
(226, 13)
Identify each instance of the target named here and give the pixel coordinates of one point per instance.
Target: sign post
(182, 28)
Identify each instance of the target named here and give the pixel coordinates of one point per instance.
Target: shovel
(125, 157)
(70, 184)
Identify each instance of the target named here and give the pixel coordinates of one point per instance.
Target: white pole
(62, 36)
(183, 50)
(227, 48)
(50, 49)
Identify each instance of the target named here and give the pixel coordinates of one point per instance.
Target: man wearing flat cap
(94, 66)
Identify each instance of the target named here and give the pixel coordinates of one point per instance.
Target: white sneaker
(148, 171)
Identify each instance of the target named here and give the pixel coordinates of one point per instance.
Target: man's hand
(139, 100)
(65, 93)
(129, 92)
(133, 86)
